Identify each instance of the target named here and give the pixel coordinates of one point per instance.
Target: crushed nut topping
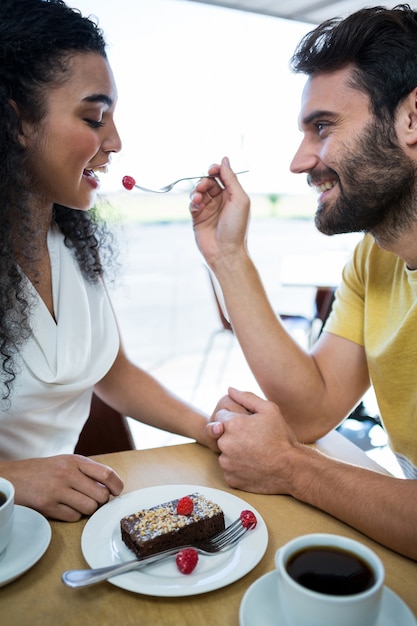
(164, 518)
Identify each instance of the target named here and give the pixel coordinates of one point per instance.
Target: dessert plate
(31, 535)
(102, 545)
(259, 606)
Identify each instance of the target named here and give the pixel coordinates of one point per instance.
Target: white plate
(259, 606)
(31, 535)
(102, 545)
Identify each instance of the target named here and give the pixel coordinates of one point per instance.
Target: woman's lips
(91, 178)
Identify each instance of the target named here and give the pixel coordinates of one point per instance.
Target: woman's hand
(215, 428)
(64, 487)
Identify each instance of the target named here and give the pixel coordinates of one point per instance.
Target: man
(359, 149)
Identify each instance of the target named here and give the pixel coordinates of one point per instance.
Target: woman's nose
(112, 142)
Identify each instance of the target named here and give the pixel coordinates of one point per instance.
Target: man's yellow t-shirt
(376, 306)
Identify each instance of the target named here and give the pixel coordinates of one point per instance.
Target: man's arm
(260, 453)
(314, 391)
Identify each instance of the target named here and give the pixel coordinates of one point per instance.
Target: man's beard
(378, 194)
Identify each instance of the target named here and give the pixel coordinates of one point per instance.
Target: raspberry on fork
(248, 519)
(128, 182)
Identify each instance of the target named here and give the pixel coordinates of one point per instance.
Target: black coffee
(330, 570)
(3, 498)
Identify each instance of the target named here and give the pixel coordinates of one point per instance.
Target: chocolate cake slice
(161, 527)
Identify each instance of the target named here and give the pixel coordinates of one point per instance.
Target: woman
(58, 336)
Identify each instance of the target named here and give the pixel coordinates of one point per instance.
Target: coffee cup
(329, 580)
(6, 513)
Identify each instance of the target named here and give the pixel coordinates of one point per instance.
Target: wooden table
(39, 598)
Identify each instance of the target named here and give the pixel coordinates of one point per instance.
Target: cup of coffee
(6, 513)
(329, 580)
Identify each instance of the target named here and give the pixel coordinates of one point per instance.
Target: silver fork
(170, 186)
(222, 542)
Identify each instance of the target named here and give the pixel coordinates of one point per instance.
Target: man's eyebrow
(99, 97)
(314, 115)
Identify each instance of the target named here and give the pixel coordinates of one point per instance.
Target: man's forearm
(380, 506)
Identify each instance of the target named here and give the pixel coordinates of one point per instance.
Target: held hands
(64, 487)
(257, 447)
(220, 216)
(215, 427)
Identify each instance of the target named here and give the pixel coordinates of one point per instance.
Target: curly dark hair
(37, 37)
(380, 44)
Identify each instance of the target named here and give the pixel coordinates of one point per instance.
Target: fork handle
(83, 577)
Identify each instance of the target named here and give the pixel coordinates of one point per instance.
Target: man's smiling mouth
(326, 186)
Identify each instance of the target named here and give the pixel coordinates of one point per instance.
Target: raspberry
(185, 506)
(248, 519)
(128, 182)
(186, 560)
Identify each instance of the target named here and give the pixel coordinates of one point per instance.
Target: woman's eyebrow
(99, 97)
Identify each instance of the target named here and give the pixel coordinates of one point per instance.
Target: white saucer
(260, 608)
(30, 538)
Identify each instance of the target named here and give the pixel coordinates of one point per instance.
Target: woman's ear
(24, 134)
(12, 103)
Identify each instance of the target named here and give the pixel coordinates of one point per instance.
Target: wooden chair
(105, 431)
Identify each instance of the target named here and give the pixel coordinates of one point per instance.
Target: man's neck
(404, 246)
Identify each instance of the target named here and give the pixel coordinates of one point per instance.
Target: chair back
(105, 431)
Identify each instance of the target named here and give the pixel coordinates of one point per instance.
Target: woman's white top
(60, 364)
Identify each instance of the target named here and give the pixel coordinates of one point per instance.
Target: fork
(222, 542)
(129, 182)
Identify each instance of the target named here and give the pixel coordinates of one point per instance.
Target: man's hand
(220, 214)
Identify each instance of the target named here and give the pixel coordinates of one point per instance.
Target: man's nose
(304, 160)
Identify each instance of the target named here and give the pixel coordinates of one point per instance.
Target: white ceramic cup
(301, 606)
(6, 513)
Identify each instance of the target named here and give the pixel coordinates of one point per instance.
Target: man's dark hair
(381, 46)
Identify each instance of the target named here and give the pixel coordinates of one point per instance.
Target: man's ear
(406, 123)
